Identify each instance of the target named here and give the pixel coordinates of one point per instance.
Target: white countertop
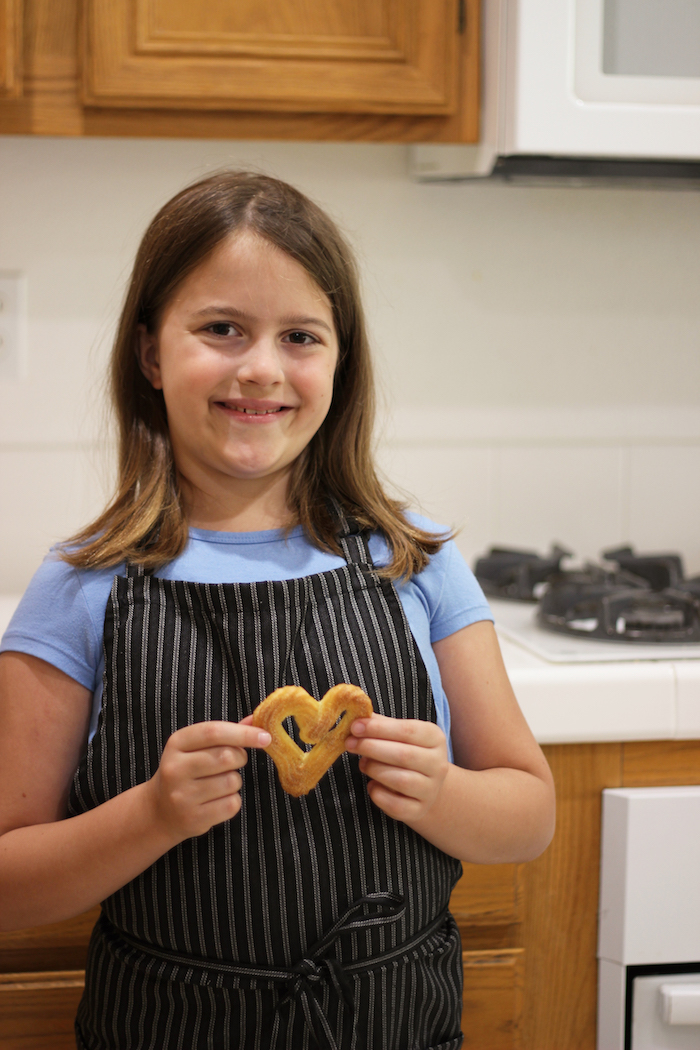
(586, 702)
(615, 696)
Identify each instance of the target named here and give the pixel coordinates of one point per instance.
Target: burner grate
(519, 575)
(630, 598)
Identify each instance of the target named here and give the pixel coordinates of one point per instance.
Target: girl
(250, 545)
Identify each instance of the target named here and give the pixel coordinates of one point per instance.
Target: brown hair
(146, 522)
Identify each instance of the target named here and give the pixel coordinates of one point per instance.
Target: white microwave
(575, 83)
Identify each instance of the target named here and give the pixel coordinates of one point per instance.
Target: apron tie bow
(309, 974)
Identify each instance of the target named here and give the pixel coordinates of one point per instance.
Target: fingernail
(351, 743)
(358, 728)
(264, 738)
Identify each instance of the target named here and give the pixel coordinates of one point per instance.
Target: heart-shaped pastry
(325, 724)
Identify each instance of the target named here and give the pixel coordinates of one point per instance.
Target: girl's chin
(258, 472)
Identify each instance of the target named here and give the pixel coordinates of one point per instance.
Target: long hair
(146, 522)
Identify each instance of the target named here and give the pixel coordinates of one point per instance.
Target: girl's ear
(148, 357)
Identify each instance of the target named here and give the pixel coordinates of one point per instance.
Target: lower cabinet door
(493, 999)
(37, 1010)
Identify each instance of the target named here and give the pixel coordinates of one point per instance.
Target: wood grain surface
(493, 999)
(561, 904)
(37, 1010)
(58, 946)
(52, 101)
(10, 48)
(661, 763)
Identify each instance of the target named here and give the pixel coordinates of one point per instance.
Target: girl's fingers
(410, 731)
(209, 789)
(405, 760)
(197, 783)
(408, 782)
(214, 760)
(400, 757)
(404, 743)
(213, 734)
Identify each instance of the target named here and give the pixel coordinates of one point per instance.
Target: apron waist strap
(307, 976)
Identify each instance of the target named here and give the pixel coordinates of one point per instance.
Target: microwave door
(583, 78)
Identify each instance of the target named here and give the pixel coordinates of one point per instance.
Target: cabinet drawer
(37, 1010)
(493, 999)
(57, 946)
(487, 894)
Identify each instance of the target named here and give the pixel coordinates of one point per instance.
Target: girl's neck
(254, 509)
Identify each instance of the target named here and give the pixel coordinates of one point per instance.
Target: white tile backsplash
(586, 480)
(452, 485)
(568, 495)
(61, 400)
(48, 494)
(664, 500)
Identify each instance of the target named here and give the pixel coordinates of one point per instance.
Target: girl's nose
(261, 364)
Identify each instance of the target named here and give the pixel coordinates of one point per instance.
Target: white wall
(538, 348)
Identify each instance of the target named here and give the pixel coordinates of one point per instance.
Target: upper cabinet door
(343, 56)
(10, 48)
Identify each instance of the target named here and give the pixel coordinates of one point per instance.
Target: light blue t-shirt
(60, 617)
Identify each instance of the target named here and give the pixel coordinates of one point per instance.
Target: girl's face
(245, 356)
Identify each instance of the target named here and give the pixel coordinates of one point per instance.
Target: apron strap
(352, 537)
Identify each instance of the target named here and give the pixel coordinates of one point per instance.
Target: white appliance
(571, 84)
(649, 928)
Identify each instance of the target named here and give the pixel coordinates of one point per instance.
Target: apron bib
(313, 921)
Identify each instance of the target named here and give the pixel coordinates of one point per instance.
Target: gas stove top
(519, 622)
(635, 600)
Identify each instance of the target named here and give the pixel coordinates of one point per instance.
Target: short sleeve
(54, 622)
(452, 592)
(446, 593)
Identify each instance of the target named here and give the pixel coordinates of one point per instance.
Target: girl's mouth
(258, 412)
(252, 412)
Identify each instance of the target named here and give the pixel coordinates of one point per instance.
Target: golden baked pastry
(325, 724)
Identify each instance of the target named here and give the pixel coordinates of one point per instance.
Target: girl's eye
(221, 328)
(301, 338)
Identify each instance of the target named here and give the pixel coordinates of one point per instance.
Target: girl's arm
(52, 869)
(495, 803)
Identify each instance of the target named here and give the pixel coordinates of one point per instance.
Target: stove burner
(621, 614)
(661, 570)
(519, 575)
(632, 598)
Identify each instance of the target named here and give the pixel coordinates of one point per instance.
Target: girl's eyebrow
(241, 315)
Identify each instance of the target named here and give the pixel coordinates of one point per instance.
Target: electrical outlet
(13, 325)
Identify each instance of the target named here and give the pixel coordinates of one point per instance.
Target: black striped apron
(316, 921)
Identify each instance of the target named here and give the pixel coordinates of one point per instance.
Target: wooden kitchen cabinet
(10, 48)
(382, 70)
(42, 974)
(37, 1009)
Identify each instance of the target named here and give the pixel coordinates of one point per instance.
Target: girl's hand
(198, 783)
(406, 761)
